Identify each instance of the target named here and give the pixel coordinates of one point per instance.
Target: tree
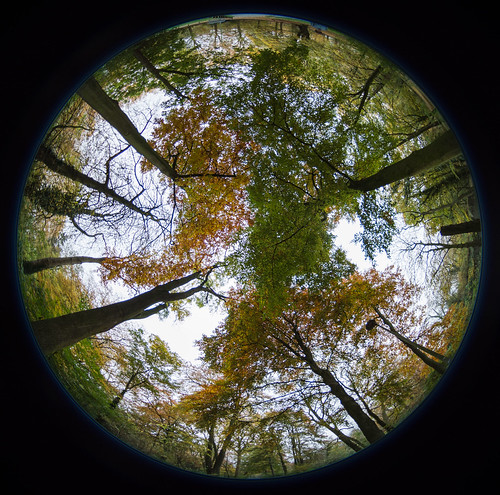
(264, 455)
(53, 194)
(34, 266)
(217, 409)
(144, 365)
(444, 195)
(49, 158)
(422, 352)
(441, 150)
(369, 428)
(317, 334)
(208, 196)
(207, 201)
(156, 73)
(325, 129)
(110, 111)
(167, 60)
(317, 134)
(173, 439)
(280, 442)
(320, 410)
(56, 200)
(62, 331)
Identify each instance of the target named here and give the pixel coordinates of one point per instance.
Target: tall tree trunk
(364, 91)
(422, 352)
(239, 452)
(219, 459)
(270, 462)
(442, 149)
(147, 64)
(60, 167)
(221, 455)
(443, 246)
(367, 426)
(461, 228)
(282, 460)
(128, 386)
(214, 457)
(372, 413)
(33, 266)
(210, 451)
(56, 333)
(349, 441)
(110, 111)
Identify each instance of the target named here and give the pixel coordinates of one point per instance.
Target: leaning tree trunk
(51, 161)
(208, 457)
(352, 443)
(146, 63)
(442, 149)
(56, 333)
(34, 266)
(422, 352)
(367, 426)
(110, 111)
(461, 228)
(128, 386)
(213, 458)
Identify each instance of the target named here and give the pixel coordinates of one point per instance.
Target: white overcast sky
(181, 335)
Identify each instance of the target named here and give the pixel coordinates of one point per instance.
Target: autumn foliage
(208, 199)
(259, 151)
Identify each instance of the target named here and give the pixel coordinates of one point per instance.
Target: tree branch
(151, 68)
(417, 349)
(363, 92)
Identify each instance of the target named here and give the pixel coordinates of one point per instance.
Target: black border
(48, 50)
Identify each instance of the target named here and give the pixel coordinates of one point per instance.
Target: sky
(181, 335)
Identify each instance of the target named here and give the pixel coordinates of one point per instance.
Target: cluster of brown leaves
(208, 198)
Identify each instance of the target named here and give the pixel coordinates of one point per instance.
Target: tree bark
(270, 462)
(461, 228)
(442, 149)
(219, 459)
(352, 443)
(34, 266)
(214, 457)
(110, 111)
(210, 451)
(60, 167)
(146, 63)
(56, 333)
(367, 426)
(349, 441)
(282, 461)
(417, 349)
(370, 412)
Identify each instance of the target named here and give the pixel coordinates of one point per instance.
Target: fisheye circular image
(249, 246)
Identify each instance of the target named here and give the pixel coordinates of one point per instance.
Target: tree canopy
(217, 163)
